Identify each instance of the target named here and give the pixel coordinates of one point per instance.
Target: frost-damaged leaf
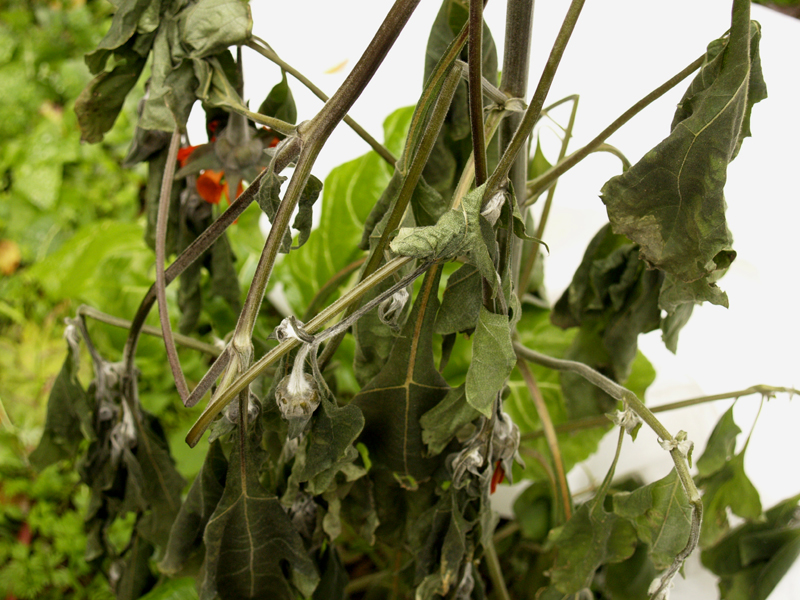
(458, 231)
(186, 536)
(441, 423)
(754, 557)
(724, 482)
(671, 202)
(134, 569)
(334, 576)
(662, 516)
(69, 411)
(406, 388)
(250, 537)
(587, 541)
(100, 102)
(305, 212)
(493, 359)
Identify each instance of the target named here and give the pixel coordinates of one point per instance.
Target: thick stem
(265, 50)
(161, 258)
(519, 141)
(550, 436)
(514, 83)
(546, 179)
(475, 58)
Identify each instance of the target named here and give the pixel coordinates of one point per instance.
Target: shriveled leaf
(186, 536)
(671, 202)
(441, 423)
(662, 516)
(406, 388)
(493, 358)
(333, 431)
(99, 104)
(211, 26)
(250, 537)
(123, 27)
(458, 231)
(587, 541)
(305, 214)
(69, 411)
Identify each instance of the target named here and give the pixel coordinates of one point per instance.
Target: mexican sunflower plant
(355, 431)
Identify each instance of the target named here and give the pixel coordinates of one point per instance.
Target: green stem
(495, 571)
(328, 288)
(475, 88)
(161, 258)
(530, 264)
(632, 402)
(592, 422)
(265, 50)
(519, 141)
(541, 183)
(183, 340)
(550, 436)
(351, 296)
(600, 496)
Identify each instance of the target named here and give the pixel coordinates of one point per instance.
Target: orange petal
(184, 154)
(209, 186)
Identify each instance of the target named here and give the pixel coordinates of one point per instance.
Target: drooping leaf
(134, 568)
(441, 423)
(720, 446)
(279, 103)
(211, 26)
(302, 222)
(406, 388)
(333, 431)
(493, 358)
(461, 302)
(69, 411)
(186, 536)
(755, 556)
(534, 511)
(662, 516)
(333, 578)
(250, 537)
(631, 578)
(590, 538)
(99, 104)
(671, 202)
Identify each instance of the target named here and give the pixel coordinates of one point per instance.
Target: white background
(621, 49)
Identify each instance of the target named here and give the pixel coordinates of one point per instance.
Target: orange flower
(498, 475)
(211, 185)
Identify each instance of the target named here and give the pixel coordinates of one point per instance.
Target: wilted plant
(357, 464)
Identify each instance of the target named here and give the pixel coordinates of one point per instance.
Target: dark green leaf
(720, 446)
(406, 388)
(671, 202)
(461, 302)
(662, 516)
(333, 431)
(441, 423)
(631, 578)
(135, 575)
(305, 214)
(534, 510)
(250, 537)
(334, 577)
(279, 103)
(123, 28)
(69, 411)
(100, 102)
(728, 488)
(590, 538)
(493, 359)
(186, 536)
